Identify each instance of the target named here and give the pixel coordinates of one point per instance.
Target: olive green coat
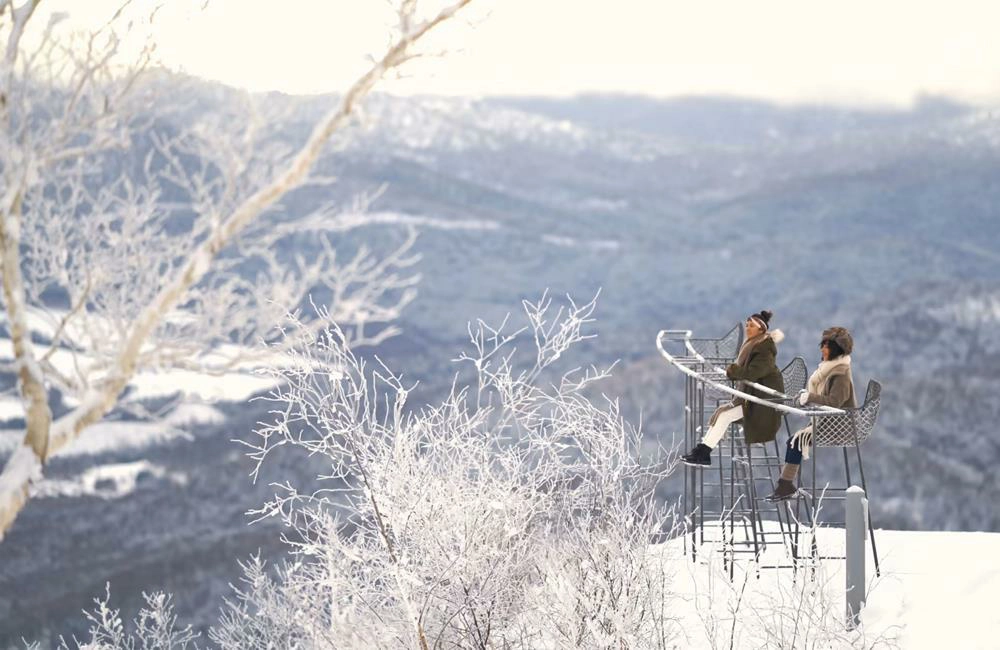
(760, 423)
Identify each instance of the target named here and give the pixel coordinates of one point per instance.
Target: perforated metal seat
(721, 349)
(795, 376)
(852, 428)
(717, 352)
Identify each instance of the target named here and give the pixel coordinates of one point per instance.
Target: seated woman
(754, 363)
(830, 385)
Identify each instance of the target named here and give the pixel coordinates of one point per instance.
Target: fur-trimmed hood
(777, 336)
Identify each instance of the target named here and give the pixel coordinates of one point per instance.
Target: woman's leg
(793, 454)
(701, 455)
(722, 422)
(793, 459)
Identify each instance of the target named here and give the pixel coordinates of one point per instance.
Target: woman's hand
(803, 397)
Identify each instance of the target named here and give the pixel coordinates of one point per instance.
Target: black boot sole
(694, 463)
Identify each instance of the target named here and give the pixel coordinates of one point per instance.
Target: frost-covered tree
(113, 263)
(517, 513)
(154, 628)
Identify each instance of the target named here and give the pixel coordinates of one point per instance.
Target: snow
(112, 481)
(596, 245)
(11, 408)
(937, 590)
(44, 322)
(942, 586)
(604, 205)
(234, 386)
(344, 222)
(187, 415)
(237, 386)
(105, 437)
(970, 311)
(22, 467)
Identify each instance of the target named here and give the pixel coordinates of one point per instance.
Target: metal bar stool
(702, 355)
(844, 431)
(794, 376)
(735, 460)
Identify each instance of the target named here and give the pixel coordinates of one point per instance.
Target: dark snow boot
(785, 490)
(700, 456)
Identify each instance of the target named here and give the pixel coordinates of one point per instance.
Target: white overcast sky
(844, 51)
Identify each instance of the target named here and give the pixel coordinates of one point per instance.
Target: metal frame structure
(702, 361)
(848, 430)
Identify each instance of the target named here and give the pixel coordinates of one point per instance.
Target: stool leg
(722, 487)
(697, 481)
(688, 404)
(732, 502)
(798, 514)
(793, 534)
(756, 524)
(864, 486)
(814, 515)
(777, 453)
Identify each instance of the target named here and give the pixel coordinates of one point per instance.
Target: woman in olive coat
(756, 362)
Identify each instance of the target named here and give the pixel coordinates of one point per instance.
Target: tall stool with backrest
(794, 376)
(844, 431)
(704, 355)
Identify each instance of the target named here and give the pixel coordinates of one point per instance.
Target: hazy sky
(884, 51)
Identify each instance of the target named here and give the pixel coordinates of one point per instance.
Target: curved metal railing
(710, 376)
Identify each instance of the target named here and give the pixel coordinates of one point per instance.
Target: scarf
(747, 348)
(817, 381)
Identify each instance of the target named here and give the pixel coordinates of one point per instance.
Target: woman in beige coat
(831, 385)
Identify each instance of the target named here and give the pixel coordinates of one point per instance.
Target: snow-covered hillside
(937, 590)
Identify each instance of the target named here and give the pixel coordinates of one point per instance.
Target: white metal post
(856, 529)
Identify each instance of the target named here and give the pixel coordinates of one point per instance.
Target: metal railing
(683, 364)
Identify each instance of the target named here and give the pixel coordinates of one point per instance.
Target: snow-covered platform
(937, 590)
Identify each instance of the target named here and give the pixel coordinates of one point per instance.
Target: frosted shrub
(516, 513)
(155, 628)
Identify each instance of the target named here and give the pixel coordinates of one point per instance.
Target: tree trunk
(38, 416)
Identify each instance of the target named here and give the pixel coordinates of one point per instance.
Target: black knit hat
(763, 318)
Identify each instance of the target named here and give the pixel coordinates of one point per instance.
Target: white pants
(722, 422)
